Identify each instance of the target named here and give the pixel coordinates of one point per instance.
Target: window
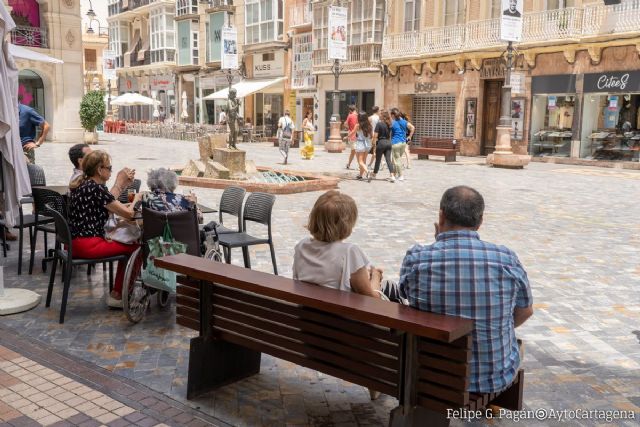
(559, 4)
(162, 35)
(119, 40)
(263, 21)
(187, 7)
(495, 7)
(194, 44)
(453, 12)
(412, 15)
(90, 59)
(365, 23)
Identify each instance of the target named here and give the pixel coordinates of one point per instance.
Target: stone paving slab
(575, 229)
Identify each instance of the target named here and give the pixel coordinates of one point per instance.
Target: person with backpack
(285, 134)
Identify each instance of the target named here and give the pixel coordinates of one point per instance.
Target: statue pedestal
(234, 160)
(208, 143)
(334, 144)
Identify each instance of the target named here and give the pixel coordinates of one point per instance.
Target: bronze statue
(233, 108)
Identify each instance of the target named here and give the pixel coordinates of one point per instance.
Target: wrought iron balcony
(360, 58)
(551, 26)
(30, 36)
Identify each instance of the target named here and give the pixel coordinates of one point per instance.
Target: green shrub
(92, 110)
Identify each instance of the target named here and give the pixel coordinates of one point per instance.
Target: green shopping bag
(160, 246)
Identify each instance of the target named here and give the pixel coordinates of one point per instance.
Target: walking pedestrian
(374, 118)
(382, 145)
(363, 134)
(398, 142)
(308, 129)
(410, 130)
(285, 135)
(350, 124)
(30, 121)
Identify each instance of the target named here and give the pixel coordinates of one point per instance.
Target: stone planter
(90, 137)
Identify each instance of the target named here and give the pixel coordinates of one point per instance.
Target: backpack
(286, 132)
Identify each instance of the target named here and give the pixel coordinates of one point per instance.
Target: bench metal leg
(423, 157)
(214, 363)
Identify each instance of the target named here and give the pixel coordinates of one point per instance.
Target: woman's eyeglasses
(109, 168)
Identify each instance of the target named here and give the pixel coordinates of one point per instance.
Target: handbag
(160, 246)
(121, 230)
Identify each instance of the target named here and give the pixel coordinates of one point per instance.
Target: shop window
(551, 125)
(31, 90)
(611, 127)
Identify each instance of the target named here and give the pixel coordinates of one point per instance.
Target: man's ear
(479, 224)
(441, 219)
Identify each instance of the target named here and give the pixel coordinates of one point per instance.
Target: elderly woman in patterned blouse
(162, 184)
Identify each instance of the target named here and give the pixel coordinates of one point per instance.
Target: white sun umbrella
(15, 178)
(130, 99)
(184, 114)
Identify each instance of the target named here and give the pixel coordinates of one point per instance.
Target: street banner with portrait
(337, 33)
(109, 64)
(229, 49)
(511, 20)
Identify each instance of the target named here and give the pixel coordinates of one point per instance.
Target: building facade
(94, 42)
(575, 90)
(52, 28)
(142, 36)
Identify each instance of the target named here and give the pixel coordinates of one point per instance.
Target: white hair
(163, 180)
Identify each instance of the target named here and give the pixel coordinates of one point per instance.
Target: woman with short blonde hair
(325, 259)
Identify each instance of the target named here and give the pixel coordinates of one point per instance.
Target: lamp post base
(504, 157)
(18, 300)
(334, 144)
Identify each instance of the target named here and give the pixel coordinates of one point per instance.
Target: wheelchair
(136, 295)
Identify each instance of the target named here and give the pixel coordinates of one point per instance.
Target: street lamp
(334, 143)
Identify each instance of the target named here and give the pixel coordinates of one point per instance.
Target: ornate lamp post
(334, 144)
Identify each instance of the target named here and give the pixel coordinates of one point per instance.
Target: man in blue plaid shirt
(463, 276)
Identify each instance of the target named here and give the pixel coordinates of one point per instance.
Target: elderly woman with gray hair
(161, 197)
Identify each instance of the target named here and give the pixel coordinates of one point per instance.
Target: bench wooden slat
(454, 397)
(321, 330)
(188, 313)
(182, 300)
(429, 362)
(361, 308)
(303, 335)
(188, 323)
(188, 291)
(433, 404)
(433, 348)
(459, 383)
(310, 363)
(248, 329)
(307, 314)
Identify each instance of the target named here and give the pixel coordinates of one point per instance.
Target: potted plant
(92, 113)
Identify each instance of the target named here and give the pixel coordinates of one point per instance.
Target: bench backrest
(438, 143)
(357, 338)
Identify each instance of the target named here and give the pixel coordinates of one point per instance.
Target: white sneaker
(401, 178)
(392, 179)
(114, 303)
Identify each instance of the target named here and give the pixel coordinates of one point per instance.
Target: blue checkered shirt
(463, 276)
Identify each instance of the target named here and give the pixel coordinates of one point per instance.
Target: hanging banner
(517, 83)
(337, 33)
(108, 64)
(229, 49)
(511, 20)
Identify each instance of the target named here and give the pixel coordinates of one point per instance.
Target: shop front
(268, 102)
(611, 116)
(553, 115)
(162, 88)
(211, 108)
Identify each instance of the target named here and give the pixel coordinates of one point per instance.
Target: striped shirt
(463, 276)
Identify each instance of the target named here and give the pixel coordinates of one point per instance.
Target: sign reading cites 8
(511, 20)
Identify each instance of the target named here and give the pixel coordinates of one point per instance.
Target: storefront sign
(427, 87)
(337, 32)
(621, 81)
(492, 69)
(128, 84)
(517, 83)
(511, 20)
(109, 64)
(229, 48)
(268, 65)
(563, 83)
(162, 82)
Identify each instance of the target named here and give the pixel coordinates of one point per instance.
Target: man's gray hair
(462, 206)
(163, 180)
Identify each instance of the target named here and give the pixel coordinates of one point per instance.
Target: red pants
(98, 247)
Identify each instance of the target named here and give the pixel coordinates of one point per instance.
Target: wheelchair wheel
(163, 299)
(213, 255)
(135, 296)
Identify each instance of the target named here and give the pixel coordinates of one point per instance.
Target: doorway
(363, 100)
(492, 98)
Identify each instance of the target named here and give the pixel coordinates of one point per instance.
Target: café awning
(246, 88)
(24, 53)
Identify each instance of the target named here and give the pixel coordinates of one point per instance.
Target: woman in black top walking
(382, 145)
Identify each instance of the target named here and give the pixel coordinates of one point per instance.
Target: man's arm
(43, 134)
(123, 180)
(520, 315)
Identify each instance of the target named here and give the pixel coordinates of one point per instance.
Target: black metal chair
(231, 204)
(64, 253)
(258, 209)
(42, 197)
(124, 196)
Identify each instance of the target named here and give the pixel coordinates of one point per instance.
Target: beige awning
(143, 49)
(136, 40)
(246, 88)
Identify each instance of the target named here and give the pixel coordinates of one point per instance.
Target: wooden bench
(420, 358)
(436, 147)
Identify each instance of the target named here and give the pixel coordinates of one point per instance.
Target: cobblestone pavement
(576, 230)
